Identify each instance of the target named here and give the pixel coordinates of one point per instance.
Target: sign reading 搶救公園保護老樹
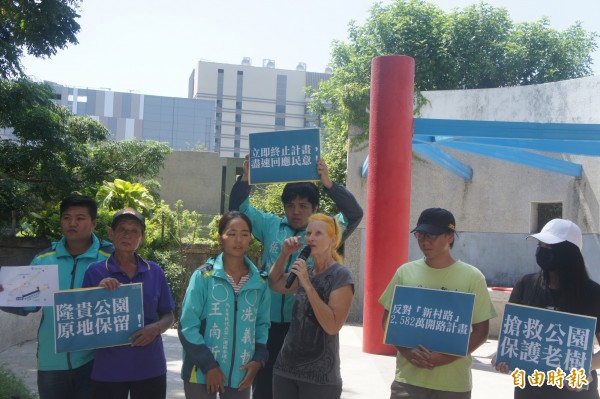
(284, 156)
(545, 340)
(439, 320)
(96, 317)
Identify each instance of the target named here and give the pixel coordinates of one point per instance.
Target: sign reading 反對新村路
(96, 317)
(437, 319)
(284, 156)
(545, 340)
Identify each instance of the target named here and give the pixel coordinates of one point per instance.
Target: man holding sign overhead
(300, 201)
(420, 372)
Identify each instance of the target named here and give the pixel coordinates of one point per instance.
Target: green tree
(127, 160)
(39, 27)
(475, 47)
(52, 153)
(50, 150)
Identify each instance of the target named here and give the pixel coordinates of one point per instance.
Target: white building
(251, 99)
(499, 207)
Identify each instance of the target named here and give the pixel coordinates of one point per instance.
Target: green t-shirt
(462, 277)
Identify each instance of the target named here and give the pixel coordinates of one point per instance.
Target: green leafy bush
(11, 386)
(173, 239)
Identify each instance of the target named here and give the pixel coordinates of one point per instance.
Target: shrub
(11, 386)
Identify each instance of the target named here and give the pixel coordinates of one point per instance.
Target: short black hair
(80, 200)
(291, 191)
(229, 216)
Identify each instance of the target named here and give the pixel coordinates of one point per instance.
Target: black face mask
(545, 259)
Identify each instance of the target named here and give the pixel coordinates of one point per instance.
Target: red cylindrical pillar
(388, 186)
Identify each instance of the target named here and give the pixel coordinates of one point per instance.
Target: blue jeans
(66, 384)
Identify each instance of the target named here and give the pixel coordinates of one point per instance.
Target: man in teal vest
(67, 375)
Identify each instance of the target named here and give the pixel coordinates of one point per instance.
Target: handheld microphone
(304, 254)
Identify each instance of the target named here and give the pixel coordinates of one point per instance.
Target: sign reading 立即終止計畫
(534, 339)
(284, 156)
(439, 320)
(90, 318)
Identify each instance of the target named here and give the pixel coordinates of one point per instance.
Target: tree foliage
(50, 153)
(478, 46)
(120, 194)
(38, 27)
(127, 159)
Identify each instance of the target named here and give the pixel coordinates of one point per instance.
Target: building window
(238, 118)
(543, 212)
(238, 105)
(279, 122)
(280, 109)
(80, 99)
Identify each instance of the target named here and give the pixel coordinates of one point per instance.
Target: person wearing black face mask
(561, 284)
(545, 259)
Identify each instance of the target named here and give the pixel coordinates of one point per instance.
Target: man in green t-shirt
(420, 372)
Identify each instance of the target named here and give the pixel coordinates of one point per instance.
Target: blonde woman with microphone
(308, 365)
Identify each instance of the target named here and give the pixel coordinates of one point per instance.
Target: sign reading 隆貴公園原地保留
(88, 318)
(439, 320)
(284, 156)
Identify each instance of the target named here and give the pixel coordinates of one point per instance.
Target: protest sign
(28, 285)
(437, 319)
(284, 156)
(533, 339)
(90, 318)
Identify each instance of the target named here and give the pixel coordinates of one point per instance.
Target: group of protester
(236, 317)
(271, 330)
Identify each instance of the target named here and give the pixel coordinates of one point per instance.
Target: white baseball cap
(559, 230)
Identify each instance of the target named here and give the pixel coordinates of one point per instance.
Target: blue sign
(284, 156)
(437, 319)
(544, 340)
(96, 317)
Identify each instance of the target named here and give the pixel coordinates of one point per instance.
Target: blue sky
(152, 46)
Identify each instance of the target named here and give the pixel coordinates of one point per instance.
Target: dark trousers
(263, 383)
(402, 390)
(198, 391)
(293, 389)
(65, 384)
(151, 388)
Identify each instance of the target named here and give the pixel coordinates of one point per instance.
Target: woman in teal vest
(225, 319)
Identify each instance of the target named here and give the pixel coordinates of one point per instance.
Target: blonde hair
(334, 230)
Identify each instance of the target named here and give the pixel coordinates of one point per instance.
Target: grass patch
(12, 387)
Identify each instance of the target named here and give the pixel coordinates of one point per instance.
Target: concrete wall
(196, 178)
(494, 211)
